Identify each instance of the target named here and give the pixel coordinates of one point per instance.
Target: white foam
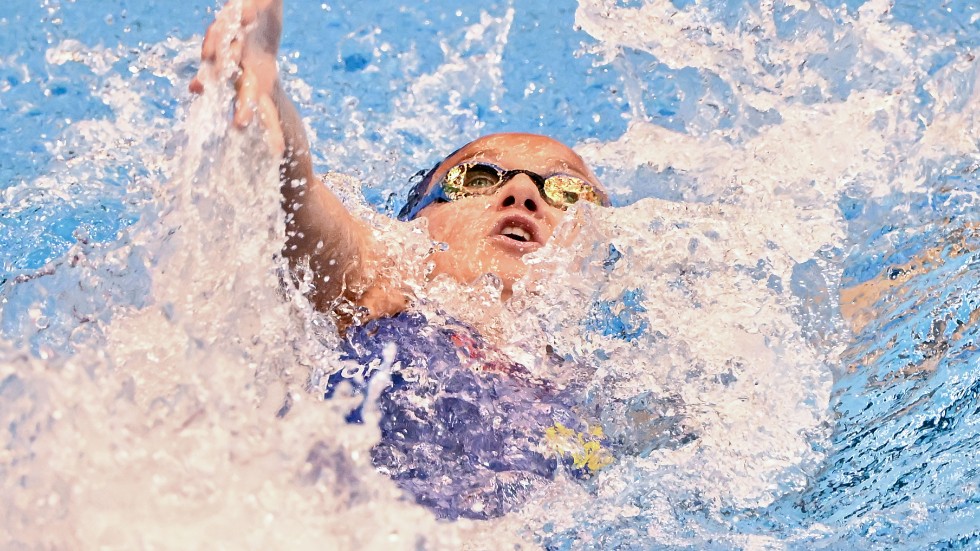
(151, 422)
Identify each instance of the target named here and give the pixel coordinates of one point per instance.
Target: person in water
(488, 426)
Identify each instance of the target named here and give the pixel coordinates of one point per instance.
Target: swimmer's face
(492, 233)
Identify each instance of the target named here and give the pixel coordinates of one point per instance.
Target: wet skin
(492, 233)
(345, 261)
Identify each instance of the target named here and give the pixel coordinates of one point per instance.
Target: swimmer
(464, 429)
(492, 202)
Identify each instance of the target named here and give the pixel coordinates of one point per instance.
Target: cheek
(462, 258)
(451, 224)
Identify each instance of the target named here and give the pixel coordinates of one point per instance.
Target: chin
(485, 258)
(508, 269)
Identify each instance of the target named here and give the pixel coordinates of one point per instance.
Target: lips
(516, 233)
(519, 234)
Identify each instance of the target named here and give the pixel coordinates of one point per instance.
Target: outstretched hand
(248, 40)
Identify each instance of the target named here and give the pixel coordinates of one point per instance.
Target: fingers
(247, 99)
(235, 50)
(250, 13)
(224, 46)
(251, 101)
(211, 54)
(269, 115)
(251, 9)
(209, 49)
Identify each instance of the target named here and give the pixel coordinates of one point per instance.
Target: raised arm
(346, 262)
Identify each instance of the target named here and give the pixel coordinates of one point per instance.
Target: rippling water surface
(777, 323)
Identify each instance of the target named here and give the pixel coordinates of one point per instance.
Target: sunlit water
(777, 322)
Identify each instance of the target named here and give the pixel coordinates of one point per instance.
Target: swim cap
(418, 191)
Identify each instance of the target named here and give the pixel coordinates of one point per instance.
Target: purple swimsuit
(463, 429)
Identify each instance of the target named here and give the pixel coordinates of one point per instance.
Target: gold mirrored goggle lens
(563, 191)
(471, 179)
(560, 191)
(455, 182)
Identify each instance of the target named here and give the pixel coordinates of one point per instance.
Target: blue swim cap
(419, 189)
(417, 193)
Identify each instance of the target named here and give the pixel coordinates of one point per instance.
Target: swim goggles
(474, 178)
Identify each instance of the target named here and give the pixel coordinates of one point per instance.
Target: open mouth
(516, 233)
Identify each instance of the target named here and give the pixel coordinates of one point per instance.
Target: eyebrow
(554, 166)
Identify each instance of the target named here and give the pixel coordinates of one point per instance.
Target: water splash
(166, 404)
(155, 380)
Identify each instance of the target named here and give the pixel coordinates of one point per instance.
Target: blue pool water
(791, 270)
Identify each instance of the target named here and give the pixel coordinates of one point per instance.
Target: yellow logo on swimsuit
(584, 448)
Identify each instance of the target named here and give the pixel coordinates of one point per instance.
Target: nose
(519, 192)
